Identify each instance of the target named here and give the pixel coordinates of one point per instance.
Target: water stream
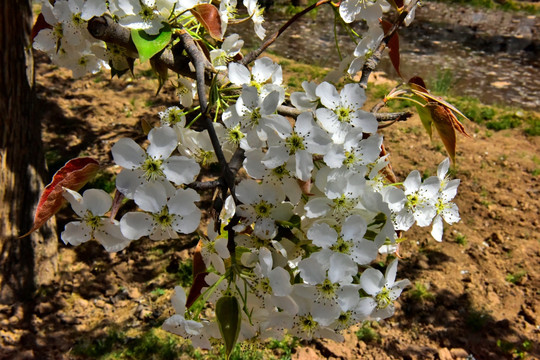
(493, 56)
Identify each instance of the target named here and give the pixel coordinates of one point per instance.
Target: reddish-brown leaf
(208, 16)
(73, 175)
(393, 45)
(199, 273)
(443, 119)
(39, 25)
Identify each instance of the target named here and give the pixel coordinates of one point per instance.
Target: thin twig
(256, 53)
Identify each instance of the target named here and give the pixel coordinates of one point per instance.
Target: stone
(459, 353)
(306, 353)
(444, 354)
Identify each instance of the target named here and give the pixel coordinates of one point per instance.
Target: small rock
(421, 264)
(459, 353)
(496, 237)
(306, 353)
(444, 354)
(44, 308)
(99, 303)
(134, 293)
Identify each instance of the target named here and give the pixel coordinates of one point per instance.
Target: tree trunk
(26, 263)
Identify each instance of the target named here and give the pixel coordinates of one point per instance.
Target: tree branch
(105, 29)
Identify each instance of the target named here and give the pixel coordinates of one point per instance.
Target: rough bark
(26, 263)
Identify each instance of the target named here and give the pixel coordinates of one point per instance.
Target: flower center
(307, 324)
(295, 143)
(327, 289)
(280, 172)
(235, 135)
(341, 246)
(263, 209)
(383, 298)
(175, 116)
(152, 169)
(344, 114)
(163, 218)
(93, 221)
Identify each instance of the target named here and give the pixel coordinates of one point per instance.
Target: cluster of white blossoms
(309, 215)
(68, 43)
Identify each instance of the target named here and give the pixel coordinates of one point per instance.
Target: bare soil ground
(475, 294)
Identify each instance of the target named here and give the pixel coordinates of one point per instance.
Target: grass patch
(461, 239)
(421, 293)
(516, 277)
(367, 334)
(103, 180)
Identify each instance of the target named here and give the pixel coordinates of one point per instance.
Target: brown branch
(105, 29)
(372, 62)
(256, 53)
(400, 116)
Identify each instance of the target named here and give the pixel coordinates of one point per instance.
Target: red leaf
(73, 175)
(208, 16)
(393, 45)
(199, 273)
(39, 25)
(418, 81)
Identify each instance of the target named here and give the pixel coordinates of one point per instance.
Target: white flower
(186, 91)
(188, 329)
(342, 112)
(350, 240)
(383, 290)
(162, 218)
(147, 15)
(415, 203)
(256, 117)
(155, 164)
(446, 209)
(266, 76)
(306, 100)
(369, 10)
(229, 49)
(297, 147)
(256, 14)
(91, 207)
(263, 205)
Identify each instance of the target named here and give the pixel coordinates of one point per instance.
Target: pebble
(444, 354)
(459, 353)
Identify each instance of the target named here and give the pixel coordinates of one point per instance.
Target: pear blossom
(383, 289)
(265, 75)
(155, 164)
(342, 112)
(350, 241)
(369, 10)
(147, 15)
(256, 117)
(445, 208)
(91, 208)
(177, 324)
(161, 218)
(302, 143)
(256, 14)
(263, 206)
(229, 49)
(308, 99)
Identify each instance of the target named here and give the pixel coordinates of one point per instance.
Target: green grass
(367, 334)
(442, 83)
(421, 293)
(516, 277)
(461, 239)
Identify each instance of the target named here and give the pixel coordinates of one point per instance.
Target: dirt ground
(474, 295)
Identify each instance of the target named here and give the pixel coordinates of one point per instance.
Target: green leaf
(229, 318)
(149, 45)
